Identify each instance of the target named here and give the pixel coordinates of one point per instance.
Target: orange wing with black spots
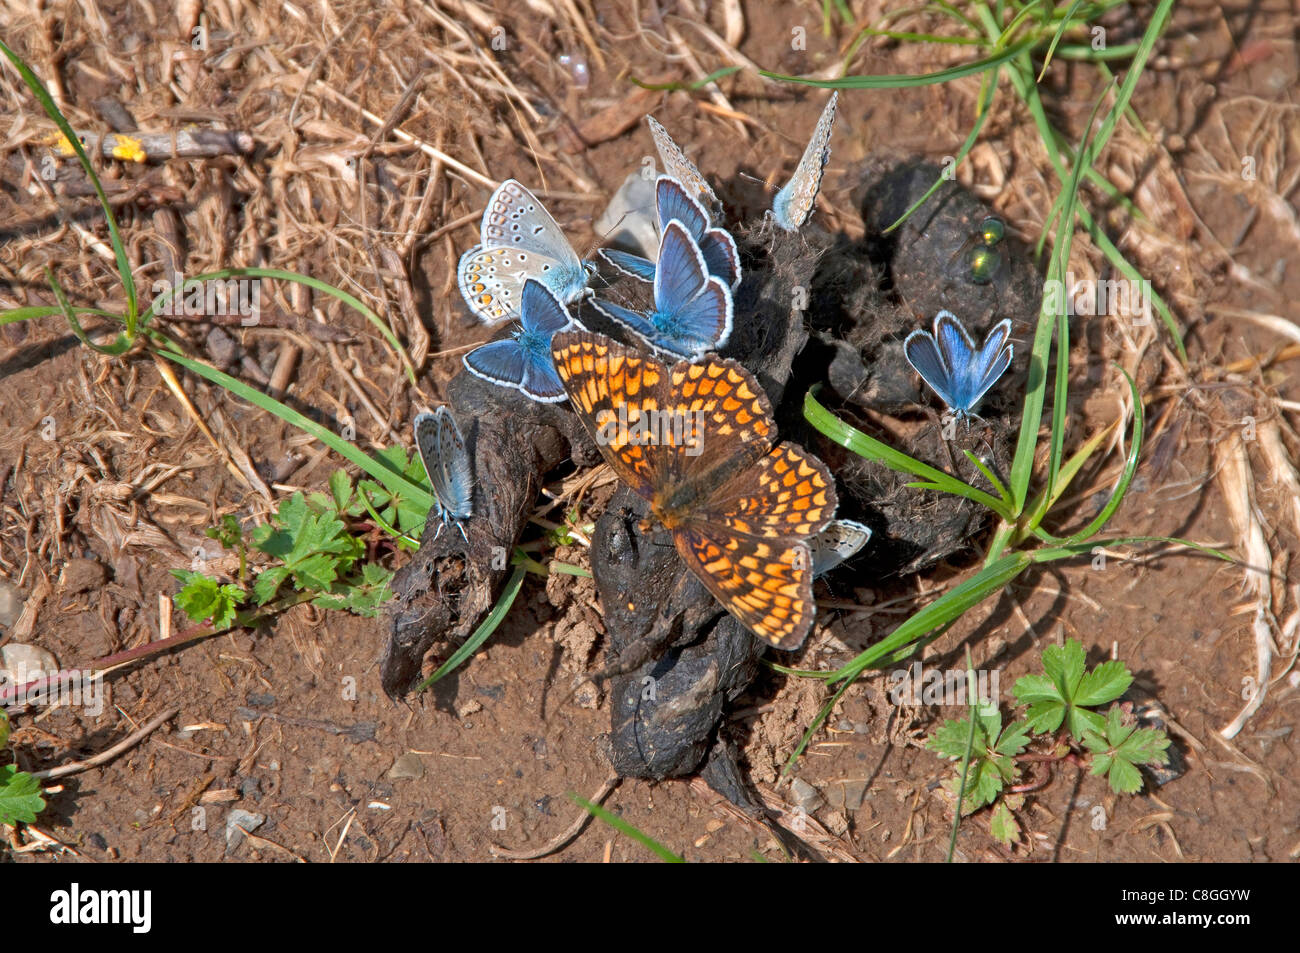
(661, 429)
(610, 385)
(695, 440)
(766, 584)
(787, 493)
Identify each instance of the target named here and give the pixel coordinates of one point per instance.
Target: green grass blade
(1066, 22)
(115, 239)
(121, 345)
(904, 81)
(1044, 500)
(971, 138)
(394, 481)
(1130, 466)
(316, 284)
(484, 630)
(623, 827)
(1064, 241)
(990, 476)
(872, 449)
(692, 86)
(973, 695)
(34, 312)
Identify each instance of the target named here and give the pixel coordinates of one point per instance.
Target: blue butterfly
(716, 244)
(518, 240)
(950, 363)
(523, 361)
(840, 540)
(692, 309)
(794, 203)
(447, 463)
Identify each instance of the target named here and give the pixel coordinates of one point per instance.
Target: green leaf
(1014, 739)
(227, 532)
(1120, 747)
(203, 598)
(949, 739)
(1003, 825)
(1103, 684)
(361, 594)
(1064, 665)
(1057, 699)
(268, 583)
(20, 796)
(341, 490)
(4, 728)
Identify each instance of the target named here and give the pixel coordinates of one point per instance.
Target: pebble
(847, 795)
(20, 661)
(11, 604)
(806, 797)
(239, 822)
(408, 766)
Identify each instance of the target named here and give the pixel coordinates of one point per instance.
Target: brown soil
(264, 715)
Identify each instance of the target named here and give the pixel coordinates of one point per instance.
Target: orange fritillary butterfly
(696, 441)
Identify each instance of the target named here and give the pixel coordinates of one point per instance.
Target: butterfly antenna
(753, 178)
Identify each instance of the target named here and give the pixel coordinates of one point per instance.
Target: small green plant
(1060, 724)
(315, 554)
(20, 793)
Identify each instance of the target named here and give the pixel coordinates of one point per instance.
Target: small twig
(576, 828)
(103, 757)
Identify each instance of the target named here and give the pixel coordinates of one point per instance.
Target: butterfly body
(739, 506)
(447, 464)
(721, 258)
(523, 361)
(948, 360)
(793, 205)
(692, 312)
(518, 240)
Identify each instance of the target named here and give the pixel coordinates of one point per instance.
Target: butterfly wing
(681, 168)
(959, 356)
(839, 541)
(787, 493)
(540, 311)
(634, 266)
(765, 584)
(716, 244)
(425, 428)
(695, 305)
(601, 378)
(713, 417)
(541, 382)
(455, 488)
(673, 202)
(501, 362)
(720, 255)
(923, 354)
(514, 219)
(490, 283)
(992, 361)
(794, 204)
(633, 321)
